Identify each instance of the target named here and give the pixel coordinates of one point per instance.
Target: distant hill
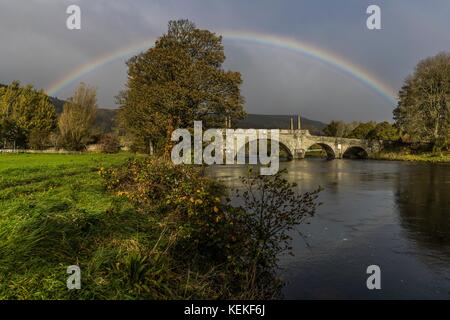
(105, 119)
(59, 104)
(261, 121)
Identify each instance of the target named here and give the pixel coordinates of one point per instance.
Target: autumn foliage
(206, 231)
(179, 80)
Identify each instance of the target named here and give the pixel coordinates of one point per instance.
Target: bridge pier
(299, 154)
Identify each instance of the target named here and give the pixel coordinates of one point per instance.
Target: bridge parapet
(295, 132)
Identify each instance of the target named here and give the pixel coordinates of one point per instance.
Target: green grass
(423, 157)
(55, 212)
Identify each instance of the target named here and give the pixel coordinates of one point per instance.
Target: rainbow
(308, 50)
(101, 61)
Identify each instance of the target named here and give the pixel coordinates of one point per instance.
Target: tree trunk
(168, 146)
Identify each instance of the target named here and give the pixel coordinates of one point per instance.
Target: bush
(55, 140)
(38, 139)
(205, 232)
(109, 143)
(189, 204)
(271, 209)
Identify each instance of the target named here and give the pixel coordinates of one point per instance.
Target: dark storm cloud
(37, 48)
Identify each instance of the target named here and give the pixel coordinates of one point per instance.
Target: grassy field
(55, 212)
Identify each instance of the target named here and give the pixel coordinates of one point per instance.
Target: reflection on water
(423, 200)
(393, 214)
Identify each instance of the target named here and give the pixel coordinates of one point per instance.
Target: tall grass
(55, 212)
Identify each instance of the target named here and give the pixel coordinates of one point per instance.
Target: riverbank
(58, 210)
(55, 212)
(423, 157)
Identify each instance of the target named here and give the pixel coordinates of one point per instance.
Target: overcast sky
(37, 48)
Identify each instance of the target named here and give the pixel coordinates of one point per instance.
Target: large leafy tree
(362, 130)
(22, 111)
(179, 80)
(384, 131)
(339, 128)
(332, 128)
(424, 102)
(78, 117)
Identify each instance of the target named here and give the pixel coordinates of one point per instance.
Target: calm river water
(392, 214)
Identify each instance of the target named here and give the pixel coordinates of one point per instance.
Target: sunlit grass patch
(443, 157)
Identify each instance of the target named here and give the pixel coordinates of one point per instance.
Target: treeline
(422, 114)
(28, 120)
(362, 130)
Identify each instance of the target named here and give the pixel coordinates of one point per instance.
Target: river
(392, 214)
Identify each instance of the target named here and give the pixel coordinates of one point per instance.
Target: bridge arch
(283, 148)
(355, 152)
(329, 150)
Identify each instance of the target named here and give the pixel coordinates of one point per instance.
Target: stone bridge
(297, 142)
